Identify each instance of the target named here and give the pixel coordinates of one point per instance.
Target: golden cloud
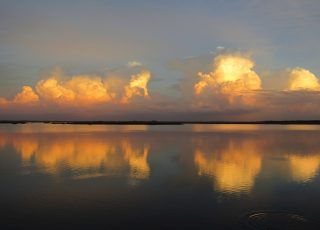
(302, 79)
(224, 83)
(137, 86)
(26, 96)
(79, 90)
(231, 73)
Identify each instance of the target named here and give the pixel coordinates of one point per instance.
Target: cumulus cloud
(302, 79)
(231, 73)
(26, 96)
(83, 90)
(228, 82)
(225, 86)
(137, 86)
(219, 86)
(78, 89)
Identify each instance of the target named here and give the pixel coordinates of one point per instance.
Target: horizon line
(161, 122)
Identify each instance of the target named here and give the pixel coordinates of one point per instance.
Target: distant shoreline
(271, 122)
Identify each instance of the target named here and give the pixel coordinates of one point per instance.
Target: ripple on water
(274, 220)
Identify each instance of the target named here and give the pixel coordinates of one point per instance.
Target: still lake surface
(159, 177)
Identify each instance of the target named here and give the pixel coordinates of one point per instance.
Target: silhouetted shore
(152, 122)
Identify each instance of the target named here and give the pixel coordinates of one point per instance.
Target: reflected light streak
(26, 146)
(65, 128)
(84, 155)
(3, 141)
(303, 167)
(137, 158)
(234, 168)
(224, 127)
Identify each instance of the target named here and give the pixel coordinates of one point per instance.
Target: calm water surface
(159, 177)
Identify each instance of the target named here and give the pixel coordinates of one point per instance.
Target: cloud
(134, 64)
(230, 83)
(225, 86)
(302, 79)
(83, 90)
(219, 86)
(79, 89)
(224, 75)
(3, 101)
(26, 96)
(231, 73)
(137, 86)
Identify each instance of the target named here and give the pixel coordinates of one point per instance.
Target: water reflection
(304, 168)
(137, 159)
(232, 160)
(233, 166)
(226, 127)
(68, 128)
(3, 141)
(86, 177)
(83, 155)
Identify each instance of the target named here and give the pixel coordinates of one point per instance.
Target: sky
(166, 60)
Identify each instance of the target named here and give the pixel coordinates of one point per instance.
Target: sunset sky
(165, 60)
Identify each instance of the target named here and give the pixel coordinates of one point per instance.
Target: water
(159, 177)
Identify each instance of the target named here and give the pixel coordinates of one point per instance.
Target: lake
(159, 177)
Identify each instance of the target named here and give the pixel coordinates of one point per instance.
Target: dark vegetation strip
(153, 122)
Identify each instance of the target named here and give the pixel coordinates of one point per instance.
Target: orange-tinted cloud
(78, 89)
(232, 82)
(221, 86)
(82, 90)
(225, 86)
(3, 101)
(138, 85)
(302, 79)
(26, 96)
(231, 73)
